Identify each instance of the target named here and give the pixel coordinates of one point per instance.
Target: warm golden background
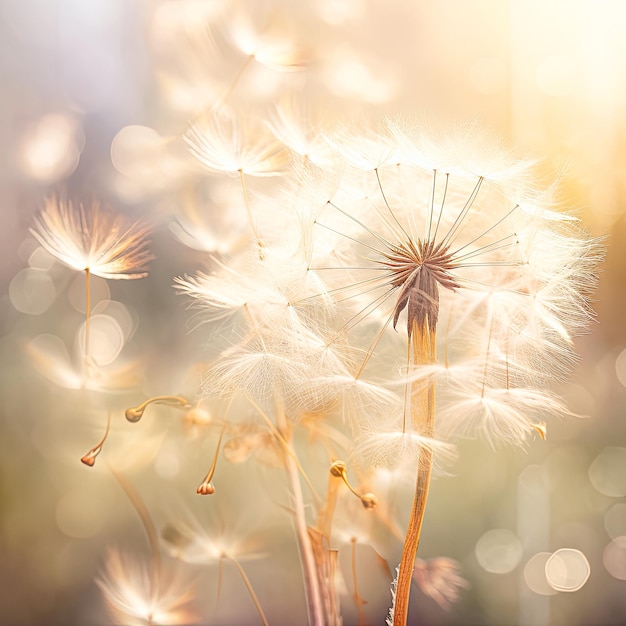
(548, 77)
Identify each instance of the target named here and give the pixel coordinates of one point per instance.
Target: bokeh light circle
(620, 367)
(106, 339)
(98, 287)
(535, 574)
(499, 551)
(615, 520)
(32, 291)
(567, 570)
(614, 558)
(608, 472)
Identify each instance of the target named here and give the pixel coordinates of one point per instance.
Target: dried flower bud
(369, 501)
(134, 414)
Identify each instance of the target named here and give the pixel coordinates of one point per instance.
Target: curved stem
(423, 344)
(248, 584)
(148, 524)
(90, 458)
(315, 605)
(135, 413)
(206, 487)
(288, 448)
(234, 82)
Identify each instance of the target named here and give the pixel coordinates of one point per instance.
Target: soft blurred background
(94, 97)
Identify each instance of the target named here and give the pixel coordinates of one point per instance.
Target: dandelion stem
(134, 414)
(90, 458)
(148, 524)
(234, 82)
(315, 605)
(423, 343)
(248, 584)
(206, 487)
(357, 595)
(246, 200)
(286, 445)
(87, 323)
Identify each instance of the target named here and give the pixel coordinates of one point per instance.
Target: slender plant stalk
(423, 344)
(315, 605)
(357, 595)
(234, 82)
(255, 231)
(248, 584)
(87, 324)
(148, 524)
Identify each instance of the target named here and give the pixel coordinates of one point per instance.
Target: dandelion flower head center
(418, 268)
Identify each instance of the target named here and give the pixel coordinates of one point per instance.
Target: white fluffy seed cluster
(314, 313)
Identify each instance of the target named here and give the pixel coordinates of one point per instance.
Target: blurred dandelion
(93, 240)
(132, 601)
(193, 544)
(224, 143)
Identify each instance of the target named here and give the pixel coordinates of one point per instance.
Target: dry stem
(87, 324)
(423, 343)
(315, 606)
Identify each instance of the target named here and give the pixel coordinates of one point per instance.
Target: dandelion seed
(51, 358)
(195, 545)
(132, 601)
(238, 147)
(93, 240)
(271, 45)
(292, 124)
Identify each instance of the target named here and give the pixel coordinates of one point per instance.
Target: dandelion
(93, 240)
(132, 600)
(144, 595)
(194, 545)
(223, 143)
(293, 124)
(424, 243)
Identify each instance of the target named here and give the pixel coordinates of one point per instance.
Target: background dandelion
(544, 77)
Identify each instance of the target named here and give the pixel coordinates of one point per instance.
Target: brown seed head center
(419, 269)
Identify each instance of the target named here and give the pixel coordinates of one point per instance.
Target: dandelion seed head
(390, 448)
(462, 246)
(293, 124)
(92, 238)
(191, 543)
(499, 415)
(131, 601)
(274, 45)
(224, 143)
